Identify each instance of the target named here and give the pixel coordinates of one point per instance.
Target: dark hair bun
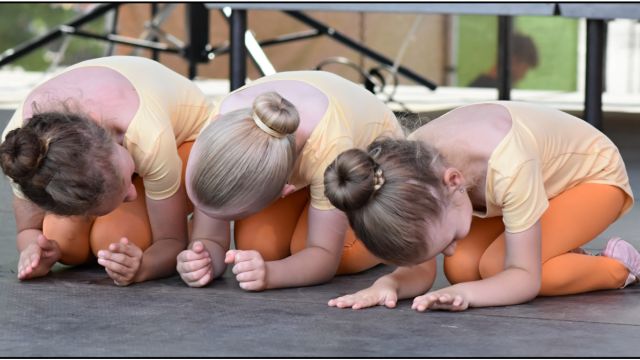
(349, 180)
(21, 154)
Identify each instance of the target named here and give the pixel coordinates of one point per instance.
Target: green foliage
(21, 22)
(556, 40)
(477, 46)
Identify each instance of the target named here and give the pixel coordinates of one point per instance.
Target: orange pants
(573, 218)
(80, 236)
(281, 230)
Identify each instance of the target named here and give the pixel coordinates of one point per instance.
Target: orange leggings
(573, 218)
(79, 237)
(281, 230)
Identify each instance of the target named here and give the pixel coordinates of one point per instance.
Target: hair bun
(21, 154)
(349, 180)
(276, 112)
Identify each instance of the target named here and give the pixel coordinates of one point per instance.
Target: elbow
(218, 273)
(532, 292)
(325, 278)
(533, 288)
(328, 267)
(327, 273)
(526, 284)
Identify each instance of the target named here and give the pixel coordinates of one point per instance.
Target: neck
(475, 179)
(111, 125)
(475, 173)
(302, 134)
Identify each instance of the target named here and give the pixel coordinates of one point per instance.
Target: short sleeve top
(545, 153)
(172, 111)
(354, 119)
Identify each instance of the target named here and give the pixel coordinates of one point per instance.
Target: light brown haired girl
(507, 191)
(96, 156)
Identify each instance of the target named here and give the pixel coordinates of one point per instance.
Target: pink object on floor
(624, 252)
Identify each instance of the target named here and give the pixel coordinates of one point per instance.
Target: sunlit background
(449, 50)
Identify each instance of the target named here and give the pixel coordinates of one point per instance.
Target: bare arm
(29, 218)
(403, 283)
(318, 262)
(410, 281)
(518, 283)
(520, 280)
(168, 219)
(203, 261)
(214, 235)
(37, 253)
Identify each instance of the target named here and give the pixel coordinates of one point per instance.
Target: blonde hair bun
(276, 113)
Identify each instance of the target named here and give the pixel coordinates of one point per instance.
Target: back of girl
(509, 206)
(261, 163)
(103, 143)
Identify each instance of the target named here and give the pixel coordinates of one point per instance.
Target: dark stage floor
(79, 312)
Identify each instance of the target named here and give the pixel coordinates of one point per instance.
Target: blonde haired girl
(261, 163)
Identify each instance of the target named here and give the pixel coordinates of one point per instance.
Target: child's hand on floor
(195, 266)
(37, 259)
(121, 261)
(377, 294)
(249, 268)
(443, 299)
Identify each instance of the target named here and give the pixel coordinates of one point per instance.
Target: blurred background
(450, 50)
(456, 52)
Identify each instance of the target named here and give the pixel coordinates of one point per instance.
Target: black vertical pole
(594, 72)
(505, 28)
(198, 25)
(238, 52)
(154, 11)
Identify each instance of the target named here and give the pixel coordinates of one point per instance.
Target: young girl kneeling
(507, 191)
(261, 163)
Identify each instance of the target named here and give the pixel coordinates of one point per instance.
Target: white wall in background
(623, 57)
